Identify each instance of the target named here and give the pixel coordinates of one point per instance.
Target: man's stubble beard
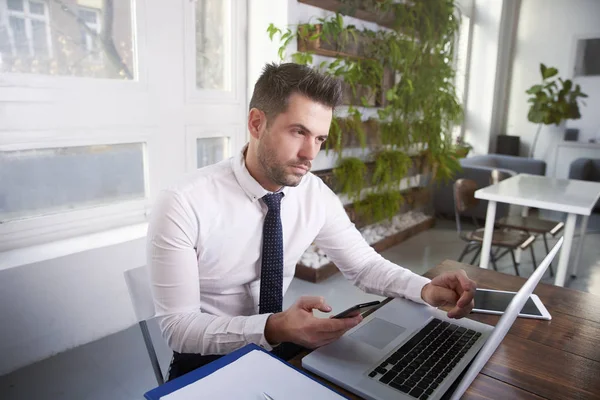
(274, 171)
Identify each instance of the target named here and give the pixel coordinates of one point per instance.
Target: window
(213, 44)
(461, 63)
(80, 155)
(86, 38)
(28, 31)
(90, 32)
(44, 181)
(211, 150)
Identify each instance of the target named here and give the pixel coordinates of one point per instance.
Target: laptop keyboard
(421, 364)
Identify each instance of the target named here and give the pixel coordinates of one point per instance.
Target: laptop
(406, 350)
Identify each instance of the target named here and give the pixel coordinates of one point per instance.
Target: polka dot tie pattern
(271, 273)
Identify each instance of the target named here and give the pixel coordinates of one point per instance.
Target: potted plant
(409, 75)
(462, 148)
(552, 102)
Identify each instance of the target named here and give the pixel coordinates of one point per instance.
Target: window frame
(96, 27)
(201, 96)
(465, 8)
(86, 84)
(27, 17)
(195, 132)
(29, 231)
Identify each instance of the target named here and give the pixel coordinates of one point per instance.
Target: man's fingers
(442, 296)
(465, 298)
(332, 325)
(309, 303)
(468, 287)
(461, 311)
(465, 282)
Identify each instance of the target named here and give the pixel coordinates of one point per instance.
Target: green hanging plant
(396, 133)
(417, 109)
(377, 207)
(334, 140)
(390, 167)
(350, 176)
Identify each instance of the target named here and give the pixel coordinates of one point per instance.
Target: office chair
(143, 306)
(530, 224)
(508, 240)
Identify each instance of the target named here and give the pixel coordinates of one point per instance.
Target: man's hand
(298, 325)
(451, 289)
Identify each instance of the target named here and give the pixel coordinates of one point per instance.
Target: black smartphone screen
(498, 301)
(357, 308)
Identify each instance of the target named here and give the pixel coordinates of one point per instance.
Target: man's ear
(257, 122)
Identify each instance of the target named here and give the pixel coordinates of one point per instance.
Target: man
(223, 243)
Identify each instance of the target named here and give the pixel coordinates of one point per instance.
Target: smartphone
(489, 301)
(355, 310)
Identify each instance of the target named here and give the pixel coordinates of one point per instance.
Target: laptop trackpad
(378, 333)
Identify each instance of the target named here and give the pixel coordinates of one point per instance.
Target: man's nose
(310, 149)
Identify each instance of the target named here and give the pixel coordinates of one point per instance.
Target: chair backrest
(495, 177)
(464, 195)
(464, 199)
(138, 283)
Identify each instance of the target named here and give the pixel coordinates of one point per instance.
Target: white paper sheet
(251, 375)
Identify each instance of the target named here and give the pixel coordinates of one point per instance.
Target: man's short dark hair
(278, 82)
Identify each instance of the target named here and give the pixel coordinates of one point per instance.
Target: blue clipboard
(197, 374)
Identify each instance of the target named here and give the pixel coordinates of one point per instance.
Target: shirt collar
(251, 187)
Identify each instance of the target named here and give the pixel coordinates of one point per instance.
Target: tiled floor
(117, 367)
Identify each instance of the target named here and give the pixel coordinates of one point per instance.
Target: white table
(565, 195)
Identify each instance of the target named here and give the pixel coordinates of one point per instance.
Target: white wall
(48, 307)
(547, 31)
(62, 295)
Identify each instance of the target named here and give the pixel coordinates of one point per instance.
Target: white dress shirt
(204, 254)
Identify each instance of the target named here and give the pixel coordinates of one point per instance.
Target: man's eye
(322, 139)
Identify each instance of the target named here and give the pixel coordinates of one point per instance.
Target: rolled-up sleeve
(358, 261)
(174, 279)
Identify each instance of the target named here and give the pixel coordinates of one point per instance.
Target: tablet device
(489, 301)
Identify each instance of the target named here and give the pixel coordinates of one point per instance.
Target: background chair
(478, 169)
(143, 306)
(531, 224)
(506, 240)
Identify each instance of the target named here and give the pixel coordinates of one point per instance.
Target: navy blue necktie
(271, 273)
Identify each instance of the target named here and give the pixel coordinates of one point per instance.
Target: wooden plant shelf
(316, 275)
(371, 95)
(355, 48)
(338, 6)
(331, 47)
(328, 176)
(350, 138)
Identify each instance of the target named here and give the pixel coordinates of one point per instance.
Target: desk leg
(584, 222)
(490, 218)
(563, 262)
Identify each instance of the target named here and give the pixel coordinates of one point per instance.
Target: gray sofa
(479, 169)
(586, 169)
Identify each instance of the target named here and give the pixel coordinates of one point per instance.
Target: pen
(267, 397)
